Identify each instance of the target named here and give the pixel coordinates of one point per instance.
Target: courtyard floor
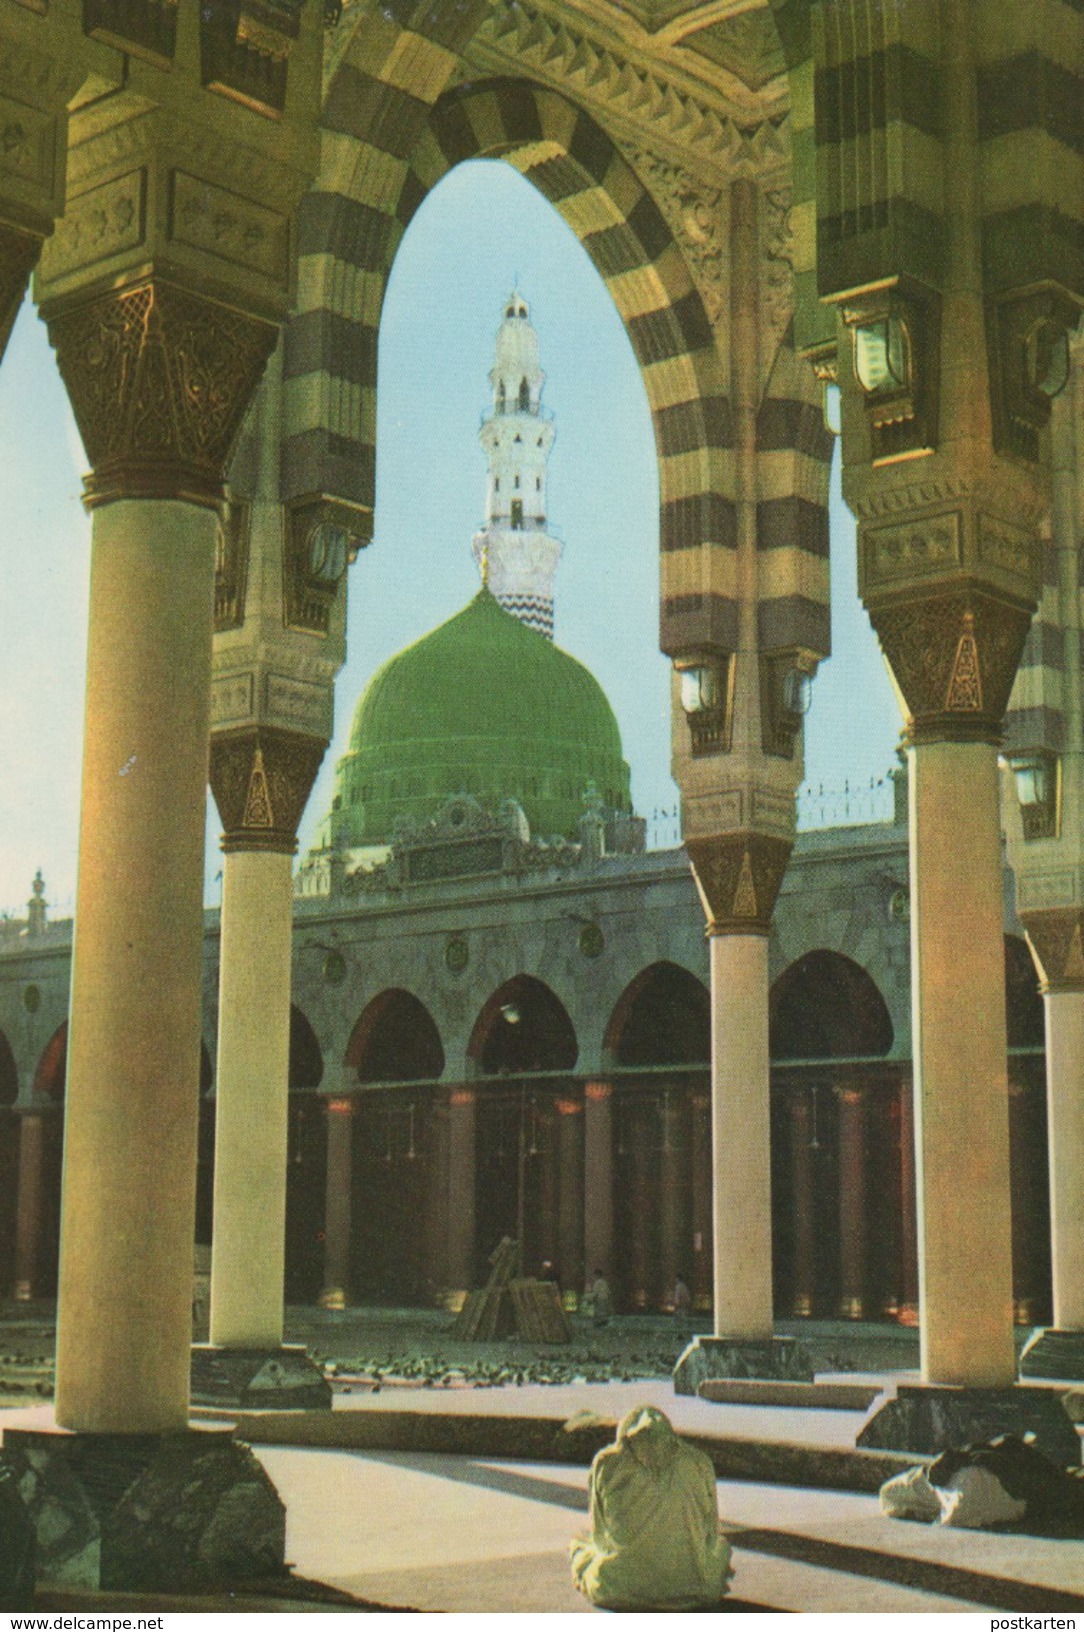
(426, 1530)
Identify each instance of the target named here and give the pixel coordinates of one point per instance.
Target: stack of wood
(512, 1305)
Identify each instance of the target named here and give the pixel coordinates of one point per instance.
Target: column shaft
(124, 1312)
(570, 1156)
(248, 1253)
(961, 1073)
(741, 1136)
(673, 1198)
(852, 1203)
(802, 1201)
(462, 1112)
(598, 1180)
(1065, 1137)
(338, 1203)
(701, 1286)
(28, 1212)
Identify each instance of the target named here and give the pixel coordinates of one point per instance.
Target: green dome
(485, 706)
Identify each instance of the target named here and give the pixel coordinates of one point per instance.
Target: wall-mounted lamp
(706, 684)
(894, 347)
(1037, 779)
(510, 1014)
(1029, 338)
(786, 692)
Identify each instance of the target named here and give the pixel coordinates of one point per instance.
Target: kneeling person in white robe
(655, 1541)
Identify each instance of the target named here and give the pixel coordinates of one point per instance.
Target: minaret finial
(516, 555)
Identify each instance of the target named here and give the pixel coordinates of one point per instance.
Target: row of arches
(835, 1169)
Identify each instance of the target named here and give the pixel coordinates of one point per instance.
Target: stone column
(639, 1211)
(741, 1139)
(570, 1191)
(961, 1073)
(802, 1201)
(248, 1247)
(338, 1204)
(737, 758)
(908, 1204)
(462, 1112)
(701, 1286)
(28, 1214)
(673, 1197)
(852, 1202)
(546, 1185)
(124, 1308)
(261, 779)
(1065, 1135)
(437, 1200)
(598, 1180)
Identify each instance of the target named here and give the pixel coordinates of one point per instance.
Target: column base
(710, 1359)
(147, 1512)
(929, 1418)
(1056, 1352)
(283, 1379)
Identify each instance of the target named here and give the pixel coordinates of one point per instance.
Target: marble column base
(282, 1379)
(147, 1512)
(1054, 1352)
(930, 1418)
(709, 1359)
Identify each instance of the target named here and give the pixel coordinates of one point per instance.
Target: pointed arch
(350, 227)
(51, 1075)
(9, 1073)
(306, 1059)
(395, 1040)
(663, 1017)
(826, 1006)
(522, 1027)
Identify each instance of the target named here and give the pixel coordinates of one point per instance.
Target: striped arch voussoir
(386, 149)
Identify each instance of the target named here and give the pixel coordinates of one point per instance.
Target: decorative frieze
(210, 218)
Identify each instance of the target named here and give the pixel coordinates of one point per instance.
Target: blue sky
(482, 230)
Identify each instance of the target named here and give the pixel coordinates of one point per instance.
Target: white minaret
(515, 554)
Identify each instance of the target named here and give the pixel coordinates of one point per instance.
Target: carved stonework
(18, 253)
(776, 269)
(928, 545)
(738, 876)
(691, 111)
(261, 779)
(1057, 942)
(159, 380)
(954, 657)
(231, 564)
(693, 213)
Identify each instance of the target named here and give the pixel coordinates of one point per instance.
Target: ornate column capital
(738, 876)
(159, 379)
(1056, 938)
(954, 654)
(261, 778)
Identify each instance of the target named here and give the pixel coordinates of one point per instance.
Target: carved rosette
(19, 252)
(261, 778)
(1056, 937)
(954, 656)
(738, 876)
(159, 380)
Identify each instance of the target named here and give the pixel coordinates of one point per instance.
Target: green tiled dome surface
(482, 705)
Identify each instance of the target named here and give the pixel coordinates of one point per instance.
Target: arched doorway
(839, 1169)
(659, 1040)
(528, 1172)
(47, 1096)
(395, 1040)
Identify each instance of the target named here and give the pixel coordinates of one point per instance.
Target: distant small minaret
(36, 907)
(514, 552)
